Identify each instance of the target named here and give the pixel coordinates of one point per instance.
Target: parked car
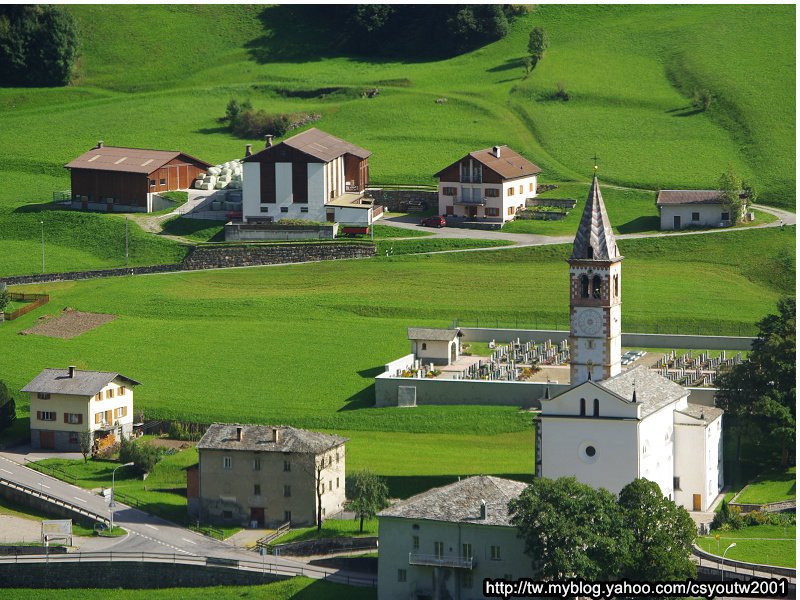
(434, 221)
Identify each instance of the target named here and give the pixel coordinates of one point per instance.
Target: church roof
(441, 335)
(594, 230)
(700, 412)
(653, 391)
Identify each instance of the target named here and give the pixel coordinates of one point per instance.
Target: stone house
(444, 542)
(680, 209)
(66, 402)
(267, 475)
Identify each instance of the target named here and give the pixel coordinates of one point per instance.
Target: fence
(561, 322)
(209, 531)
(52, 471)
(36, 300)
(54, 500)
(267, 540)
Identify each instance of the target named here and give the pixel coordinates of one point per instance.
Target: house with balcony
(67, 402)
(312, 176)
(490, 184)
(444, 542)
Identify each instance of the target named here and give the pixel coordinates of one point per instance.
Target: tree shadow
(41, 207)
(511, 63)
(292, 33)
(684, 111)
(213, 130)
(640, 224)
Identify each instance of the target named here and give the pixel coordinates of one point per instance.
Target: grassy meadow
(629, 70)
(775, 486)
(760, 544)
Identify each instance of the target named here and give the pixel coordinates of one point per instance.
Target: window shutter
(80, 419)
(66, 417)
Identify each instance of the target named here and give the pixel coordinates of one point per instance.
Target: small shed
(681, 209)
(437, 346)
(111, 178)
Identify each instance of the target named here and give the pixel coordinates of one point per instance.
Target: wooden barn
(117, 179)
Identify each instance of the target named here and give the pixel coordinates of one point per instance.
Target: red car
(434, 221)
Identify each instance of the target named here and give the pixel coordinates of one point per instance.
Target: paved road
(148, 533)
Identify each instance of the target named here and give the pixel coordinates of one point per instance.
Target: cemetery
(694, 371)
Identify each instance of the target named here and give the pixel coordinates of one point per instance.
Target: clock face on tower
(589, 322)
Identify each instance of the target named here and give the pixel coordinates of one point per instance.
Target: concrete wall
(251, 191)
(629, 340)
(710, 215)
(455, 392)
(392, 199)
(252, 232)
(402, 363)
(38, 503)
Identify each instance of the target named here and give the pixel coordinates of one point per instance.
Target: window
(520, 188)
(695, 216)
(726, 216)
(227, 462)
(510, 210)
(287, 491)
(492, 212)
(73, 418)
(590, 344)
(109, 394)
(337, 483)
(162, 182)
(424, 346)
(466, 551)
(530, 187)
(227, 514)
(590, 451)
(590, 252)
(152, 182)
(584, 286)
(415, 542)
(510, 191)
(257, 489)
(596, 286)
(121, 390)
(491, 193)
(337, 457)
(466, 579)
(98, 418)
(676, 483)
(284, 209)
(438, 549)
(401, 575)
(596, 407)
(330, 485)
(287, 516)
(287, 466)
(303, 209)
(256, 464)
(583, 407)
(449, 191)
(494, 553)
(46, 415)
(43, 396)
(99, 396)
(73, 438)
(265, 209)
(616, 286)
(120, 412)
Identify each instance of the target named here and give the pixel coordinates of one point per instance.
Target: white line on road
(190, 541)
(151, 526)
(79, 499)
(44, 486)
(6, 471)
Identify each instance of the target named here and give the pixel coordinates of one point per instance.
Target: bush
(144, 456)
(257, 124)
(728, 517)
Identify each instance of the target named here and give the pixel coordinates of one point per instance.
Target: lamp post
(42, 224)
(722, 576)
(112, 504)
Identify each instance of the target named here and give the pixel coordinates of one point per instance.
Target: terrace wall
(392, 199)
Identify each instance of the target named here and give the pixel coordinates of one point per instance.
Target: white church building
(612, 427)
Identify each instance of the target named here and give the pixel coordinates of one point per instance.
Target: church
(614, 426)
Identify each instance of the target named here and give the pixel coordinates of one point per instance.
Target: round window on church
(590, 451)
(587, 451)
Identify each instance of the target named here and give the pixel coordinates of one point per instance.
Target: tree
(8, 407)
(663, 534)
(369, 495)
(85, 440)
(5, 298)
(537, 44)
(760, 394)
(570, 530)
(730, 187)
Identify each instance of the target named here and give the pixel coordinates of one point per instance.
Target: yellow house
(67, 402)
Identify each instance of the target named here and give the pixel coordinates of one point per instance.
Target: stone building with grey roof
(442, 543)
(67, 402)
(681, 209)
(267, 475)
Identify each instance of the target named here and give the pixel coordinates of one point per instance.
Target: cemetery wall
(401, 363)
(629, 340)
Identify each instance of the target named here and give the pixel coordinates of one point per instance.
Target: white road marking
(151, 526)
(44, 486)
(79, 499)
(190, 541)
(6, 471)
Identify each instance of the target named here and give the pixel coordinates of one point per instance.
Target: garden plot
(69, 324)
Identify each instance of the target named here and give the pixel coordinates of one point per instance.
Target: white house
(313, 176)
(444, 542)
(437, 346)
(489, 184)
(66, 402)
(614, 426)
(680, 209)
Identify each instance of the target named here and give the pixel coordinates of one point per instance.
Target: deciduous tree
(368, 495)
(538, 43)
(731, 188)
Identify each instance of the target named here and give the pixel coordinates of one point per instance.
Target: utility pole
(42, 224)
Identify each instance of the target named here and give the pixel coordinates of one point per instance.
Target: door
(257, 515)
(449, 210)
(676, 222)
(473, 212)
(697, 503)
(330, 215)
(47, 440)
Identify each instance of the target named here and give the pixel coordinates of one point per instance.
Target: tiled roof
(689, 197)
(126, 160)
(653, 391)
(460, 502)
(422, 333)
(260, 438)
(509, 165)
(84, 383)
(698, 411)
(594, 230)
(322, 145)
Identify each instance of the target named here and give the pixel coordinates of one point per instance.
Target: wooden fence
(36, 300)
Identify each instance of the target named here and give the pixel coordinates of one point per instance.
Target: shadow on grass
(319, 588)
(363, 399)
(640, 224)
(511, 63)
(405, 486)
(213, 130)
(372, 372)
(183, 226)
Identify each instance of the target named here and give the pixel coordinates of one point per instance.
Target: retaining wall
(326, 546)
(391, 199)
(236, 232)
(57, 510)
(773, 570)
(124, 574)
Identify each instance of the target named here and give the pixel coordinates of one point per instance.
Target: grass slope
(771, 487)
(760, 544)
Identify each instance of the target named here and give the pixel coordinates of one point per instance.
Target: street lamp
(722, 576)
(112, 504)
(42, 224)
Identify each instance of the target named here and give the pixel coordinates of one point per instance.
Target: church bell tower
(595, 270)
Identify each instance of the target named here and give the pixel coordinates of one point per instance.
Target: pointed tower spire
(595, 239)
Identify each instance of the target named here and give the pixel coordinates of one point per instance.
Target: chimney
(275, 435)
(71, 370)
(238, 434)
(99, 144)
(483, 509)
(248, 150)
(496, 151)
(268, 137)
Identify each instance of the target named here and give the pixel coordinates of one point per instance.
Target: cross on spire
(595, 158)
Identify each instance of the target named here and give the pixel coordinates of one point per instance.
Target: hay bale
(213, 170)
(221, 185)
(198, 183)
(206, 186)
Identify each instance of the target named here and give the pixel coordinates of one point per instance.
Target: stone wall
(50, 508)
(249, 232)
(49, 277)
(124, 574)
(326, 546)
(391, 199)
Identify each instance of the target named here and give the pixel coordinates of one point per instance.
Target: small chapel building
(612, 427)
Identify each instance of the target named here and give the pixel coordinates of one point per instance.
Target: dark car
(434, 221)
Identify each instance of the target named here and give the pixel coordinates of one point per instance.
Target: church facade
(614, 426)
